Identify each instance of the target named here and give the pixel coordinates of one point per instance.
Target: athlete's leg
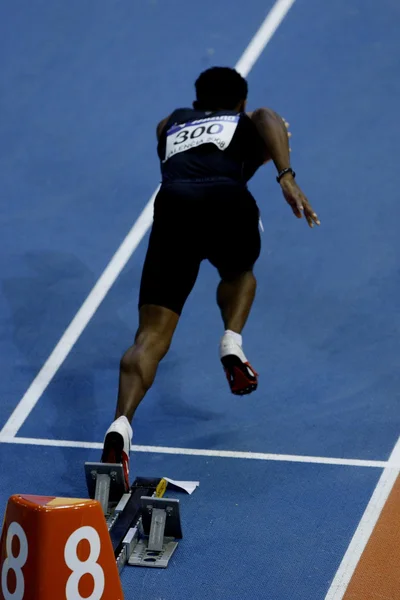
(235, 247)
(139, 364)
(235, 297)
(169, 273)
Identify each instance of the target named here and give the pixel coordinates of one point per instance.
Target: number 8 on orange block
(56, 548)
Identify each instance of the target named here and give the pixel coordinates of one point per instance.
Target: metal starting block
(105, 483)
(143, 527)
(162, 526)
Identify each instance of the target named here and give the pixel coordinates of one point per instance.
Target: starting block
(144, 527)
(161, 526)
(75, 549)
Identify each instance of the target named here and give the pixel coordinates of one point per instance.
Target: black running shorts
(193, 222)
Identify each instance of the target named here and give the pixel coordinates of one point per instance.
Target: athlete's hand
(297, 200)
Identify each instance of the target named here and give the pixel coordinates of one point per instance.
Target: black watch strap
(284, 172)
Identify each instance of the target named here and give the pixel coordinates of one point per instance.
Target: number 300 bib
(215, 130)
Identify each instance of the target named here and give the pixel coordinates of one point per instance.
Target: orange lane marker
(377, 576)
(56, 549)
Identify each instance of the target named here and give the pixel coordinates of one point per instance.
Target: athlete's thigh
(173, 256)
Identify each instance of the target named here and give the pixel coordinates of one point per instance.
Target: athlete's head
(221, 88)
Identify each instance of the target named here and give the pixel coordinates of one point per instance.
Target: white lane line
(321, 460)
(366, 526)
(263, 36)
(123, 254)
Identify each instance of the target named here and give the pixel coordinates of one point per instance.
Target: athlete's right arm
(161, 126)
(272, 129)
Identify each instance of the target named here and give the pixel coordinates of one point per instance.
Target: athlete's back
(197, 145)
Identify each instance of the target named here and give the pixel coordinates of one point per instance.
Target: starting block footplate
(114, 471)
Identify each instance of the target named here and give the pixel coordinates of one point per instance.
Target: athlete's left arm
(273, 131)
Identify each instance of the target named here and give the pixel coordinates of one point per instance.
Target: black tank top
(209, 146)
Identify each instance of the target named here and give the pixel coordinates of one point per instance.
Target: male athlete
(203, 210)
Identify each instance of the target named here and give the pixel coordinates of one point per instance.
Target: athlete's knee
(153, 342)
(141, 360)
(149, 346)
(242, 276)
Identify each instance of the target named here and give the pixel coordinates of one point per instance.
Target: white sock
(125, 421)
(235, 336)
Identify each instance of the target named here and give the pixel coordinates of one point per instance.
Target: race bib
(214, 130)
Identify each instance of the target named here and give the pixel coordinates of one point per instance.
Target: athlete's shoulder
(179, 115)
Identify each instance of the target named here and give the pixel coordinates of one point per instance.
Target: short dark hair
(220, 87)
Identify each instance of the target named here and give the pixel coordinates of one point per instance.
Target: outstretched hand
(297, 201)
